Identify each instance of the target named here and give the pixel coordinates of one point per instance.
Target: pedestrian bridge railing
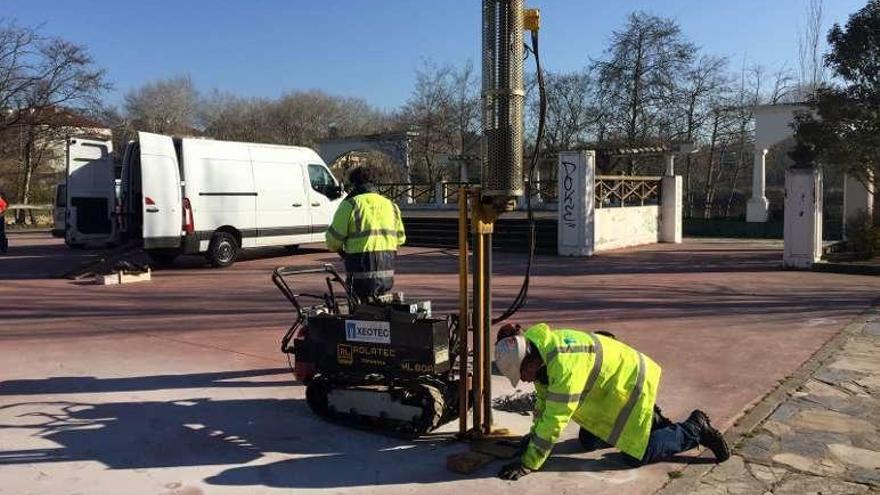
(610, 191)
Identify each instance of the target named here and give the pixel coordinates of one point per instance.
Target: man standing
(4, 242)
(367, 231)
(606, 387)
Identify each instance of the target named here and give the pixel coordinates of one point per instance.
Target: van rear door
(59, 212)
(160, 187)
(90, 197)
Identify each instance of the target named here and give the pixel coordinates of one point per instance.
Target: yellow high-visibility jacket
(366, 222)
(605, 386)
(368, 230)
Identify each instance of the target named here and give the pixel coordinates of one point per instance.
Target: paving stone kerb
(816, 433)
(178, 384)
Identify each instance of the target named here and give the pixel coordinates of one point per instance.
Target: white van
(189, 196)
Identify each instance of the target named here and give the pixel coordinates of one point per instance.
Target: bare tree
(167, 106)
(812, 69)
(298, 118)
(229, 117)
(572, 115)
(303, 117)
(747, 97)
(465, 104)
(772, 88)
(40, 76)
(443, 109)
(701, 84)
(41, 72)
(718, 147)
(639, 75)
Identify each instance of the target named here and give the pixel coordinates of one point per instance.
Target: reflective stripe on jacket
(605, 386)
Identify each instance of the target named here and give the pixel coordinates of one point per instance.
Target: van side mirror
(334, 191)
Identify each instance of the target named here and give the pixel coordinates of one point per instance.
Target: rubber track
(432, 412)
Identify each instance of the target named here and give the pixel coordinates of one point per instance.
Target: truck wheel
(292, 248)
(222, 250)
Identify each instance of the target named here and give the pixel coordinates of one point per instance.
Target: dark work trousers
(667, 439)
(4, 242)
(370, 274)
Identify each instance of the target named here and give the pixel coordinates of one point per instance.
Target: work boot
(710, 438)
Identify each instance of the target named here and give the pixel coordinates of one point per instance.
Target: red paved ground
(177, 385)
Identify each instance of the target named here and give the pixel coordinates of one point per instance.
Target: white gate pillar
(758, 206)
(803, 218)
(670, 164)
(671, 209)
(576, 210)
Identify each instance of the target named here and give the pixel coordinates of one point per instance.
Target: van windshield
(321, 179)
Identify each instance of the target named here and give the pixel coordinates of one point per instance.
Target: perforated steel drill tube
(503, 99)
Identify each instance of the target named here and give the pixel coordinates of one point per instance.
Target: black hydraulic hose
(522, 297)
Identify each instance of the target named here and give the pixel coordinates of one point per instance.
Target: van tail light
(149, 201)
(188, 223)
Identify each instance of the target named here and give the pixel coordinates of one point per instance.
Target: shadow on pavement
(90, 384)
(40, 260)
(201, 431)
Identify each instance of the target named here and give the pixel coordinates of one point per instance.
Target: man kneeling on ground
(605, 386)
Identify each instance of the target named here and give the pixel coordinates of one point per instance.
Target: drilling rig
(389, 364)
(503, 101)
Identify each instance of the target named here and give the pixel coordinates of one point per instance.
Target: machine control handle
(316, 203)
(296, 205)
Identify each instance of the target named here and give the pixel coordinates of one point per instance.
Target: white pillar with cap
(757, 208)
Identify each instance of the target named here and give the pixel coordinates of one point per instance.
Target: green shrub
(863, 236)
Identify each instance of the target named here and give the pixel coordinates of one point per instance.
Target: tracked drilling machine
(389, 364)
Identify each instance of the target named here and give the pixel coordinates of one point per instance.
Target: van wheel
(76, 245)
(291, 248)
(222, 250)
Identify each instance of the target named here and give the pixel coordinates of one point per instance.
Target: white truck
(201, 196)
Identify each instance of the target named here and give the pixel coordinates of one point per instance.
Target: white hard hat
(509, 355)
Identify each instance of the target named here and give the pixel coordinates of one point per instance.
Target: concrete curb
(689, 479)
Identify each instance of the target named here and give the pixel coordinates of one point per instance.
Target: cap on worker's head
(362, 174)
(509, 330)
(509, 355)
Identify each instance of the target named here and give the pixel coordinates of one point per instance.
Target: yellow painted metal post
(478, 332)
(486, 329)
(463, 321)
(482, 220)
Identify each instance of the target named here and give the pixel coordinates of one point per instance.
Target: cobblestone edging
(818, 432)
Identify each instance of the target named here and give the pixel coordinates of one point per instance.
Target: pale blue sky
(371, 48)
